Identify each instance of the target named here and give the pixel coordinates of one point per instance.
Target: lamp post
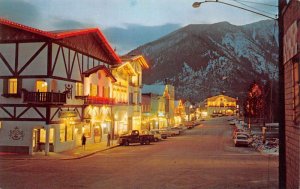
(281, 112)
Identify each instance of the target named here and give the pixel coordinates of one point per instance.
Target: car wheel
(147, 142)
(126, 143)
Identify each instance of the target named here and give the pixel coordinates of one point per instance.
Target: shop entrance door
(78, 136)
(35, 136)
(97, 134)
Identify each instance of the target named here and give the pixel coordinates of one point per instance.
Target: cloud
(133, 3)
(70, 24)
(134, 35)
(19, 11)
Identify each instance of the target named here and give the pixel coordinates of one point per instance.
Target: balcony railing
(215, 106)
(133, 84)
(45, 97)
(97, 100)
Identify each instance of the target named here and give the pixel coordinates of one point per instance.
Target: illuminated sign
(161, 114)
(67, 114)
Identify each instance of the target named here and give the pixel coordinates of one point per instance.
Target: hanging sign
(67, 114)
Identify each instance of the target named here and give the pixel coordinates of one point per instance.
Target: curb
(62, 158)
(87, 155)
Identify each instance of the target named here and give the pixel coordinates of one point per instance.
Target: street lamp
(281, 113)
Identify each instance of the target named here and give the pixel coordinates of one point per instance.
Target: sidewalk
(76, 153)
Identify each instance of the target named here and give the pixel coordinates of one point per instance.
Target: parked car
(167, 131)
(181, 128)
(135, 137)
(232, 122)
(197, 122)
(176, 130)
(242, 140)
(162, 134)
(241, 133)
(235, 130)
(189, 124)
(156, 134)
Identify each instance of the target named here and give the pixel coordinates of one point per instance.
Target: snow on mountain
(197, 58)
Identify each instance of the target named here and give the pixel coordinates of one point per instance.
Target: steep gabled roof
(97, 68)
(63, 35)
(127, 67)
(139, 58)
(223, 96)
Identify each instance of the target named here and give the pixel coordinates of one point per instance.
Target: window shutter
(5, 86)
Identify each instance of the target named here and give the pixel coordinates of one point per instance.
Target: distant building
(221, 105)
(162, 103)
(153, 111)
(126, 92)
(179, 114)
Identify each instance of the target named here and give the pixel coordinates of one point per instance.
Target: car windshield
(242, 137)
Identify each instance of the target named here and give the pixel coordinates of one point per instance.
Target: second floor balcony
(45, 97)
(97, 100)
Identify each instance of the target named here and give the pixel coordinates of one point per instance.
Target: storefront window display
(87, 130)
(43, 135)
(66, 132)
(69, 132)
(62, 133)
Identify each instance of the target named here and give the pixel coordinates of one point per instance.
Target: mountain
(207, 59)
(125, 39)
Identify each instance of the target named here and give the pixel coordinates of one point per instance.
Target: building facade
(48, 80)
(161, 105)
(127, 91)
(221, 105)
(290, 16)
(179, 112)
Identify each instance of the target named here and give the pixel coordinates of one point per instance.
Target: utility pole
(281, 112)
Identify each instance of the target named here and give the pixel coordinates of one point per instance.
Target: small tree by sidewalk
(254, 105)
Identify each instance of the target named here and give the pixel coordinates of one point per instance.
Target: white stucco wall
(27, 127)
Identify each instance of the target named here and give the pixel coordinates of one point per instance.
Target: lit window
(12, 86)
(94, 90)
(66, 132)
(41, 86)
(43, 135)
(79, 89)
(62, 133)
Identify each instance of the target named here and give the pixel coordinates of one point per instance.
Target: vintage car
(135, 137)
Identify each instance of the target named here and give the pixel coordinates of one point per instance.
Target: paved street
(203, 157)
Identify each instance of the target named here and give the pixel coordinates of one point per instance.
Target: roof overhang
(98, 68)
(138, 58)
(64, 34)
(128, 68)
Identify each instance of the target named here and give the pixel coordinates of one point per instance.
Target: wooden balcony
(96, 100)
(44, 97)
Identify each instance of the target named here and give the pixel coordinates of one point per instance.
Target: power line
(265, 4)
(243, 4)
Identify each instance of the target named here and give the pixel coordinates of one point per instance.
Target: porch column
(47, 140)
